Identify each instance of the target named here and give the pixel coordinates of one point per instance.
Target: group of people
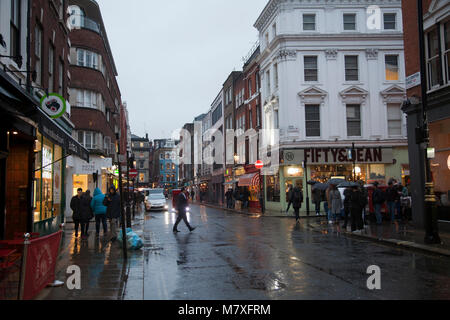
(237, 195)
(351, 203)
(102, 207)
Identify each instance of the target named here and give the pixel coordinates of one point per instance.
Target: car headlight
(187, 208)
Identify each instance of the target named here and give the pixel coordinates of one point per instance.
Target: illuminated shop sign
(338, 156)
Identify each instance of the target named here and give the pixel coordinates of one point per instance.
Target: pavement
(247, 257)
(400, 234)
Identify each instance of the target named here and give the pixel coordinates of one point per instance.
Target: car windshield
(157, 197)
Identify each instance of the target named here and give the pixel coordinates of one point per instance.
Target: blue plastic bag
(134, 242)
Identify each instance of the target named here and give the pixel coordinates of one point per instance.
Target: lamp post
(430, 210)
(128, 209)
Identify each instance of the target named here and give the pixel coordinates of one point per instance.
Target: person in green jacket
(99, 211)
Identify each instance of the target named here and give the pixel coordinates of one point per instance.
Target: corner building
(328, 81)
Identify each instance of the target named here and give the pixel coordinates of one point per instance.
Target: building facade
(165, 161)
(95, 98)
(436, 23)
(140, 148)
(330, 80)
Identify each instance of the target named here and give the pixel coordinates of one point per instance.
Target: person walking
(229, 197)
(336, 203)
(357, 202)
(75, 205)
(182, 203)
(245, 197)
(297, 200)
(347, 193)
(378, 199)
(99, 211)
(289, 196)
(328, 204)
(317, 198)
(192, 195)
(391, 199)
(86, 213)
(113, 213)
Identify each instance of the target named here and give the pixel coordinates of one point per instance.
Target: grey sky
(173, 56)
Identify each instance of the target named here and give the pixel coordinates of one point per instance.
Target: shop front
(98, 173)
(53, 146)
(369, 165)
(251, 182)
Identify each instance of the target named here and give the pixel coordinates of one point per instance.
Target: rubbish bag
(134, 242)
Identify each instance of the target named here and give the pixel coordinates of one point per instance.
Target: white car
(156, 201)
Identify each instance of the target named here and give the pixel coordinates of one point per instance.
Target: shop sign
(338, 156)
(413, 81)
(54, 105)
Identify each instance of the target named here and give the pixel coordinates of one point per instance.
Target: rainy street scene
(224, 152)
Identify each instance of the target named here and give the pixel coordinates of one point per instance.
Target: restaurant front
(369, 165)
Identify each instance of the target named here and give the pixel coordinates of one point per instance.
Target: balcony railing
(81, 22)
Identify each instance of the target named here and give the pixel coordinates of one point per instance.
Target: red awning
(252, 179)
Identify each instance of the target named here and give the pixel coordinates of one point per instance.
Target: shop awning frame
(249, 180)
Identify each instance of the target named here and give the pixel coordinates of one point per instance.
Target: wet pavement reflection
(232, 256)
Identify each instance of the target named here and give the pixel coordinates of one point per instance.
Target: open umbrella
(312, 182)
(348, 184)
(320, 186)
(335, 182)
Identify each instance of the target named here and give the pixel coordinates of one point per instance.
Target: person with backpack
(113, 211)
(86, 213)
(377, 200)
(99, 211)
(391, 198)
(75, 205)
(297, 200)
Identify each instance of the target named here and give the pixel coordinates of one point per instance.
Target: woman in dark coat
(86, 213)
(356, 206)
(112, 203)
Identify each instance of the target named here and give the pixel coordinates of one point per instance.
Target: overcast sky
(173, 56)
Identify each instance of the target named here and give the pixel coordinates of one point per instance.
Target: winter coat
(182, 202)
(112, 202)
(316, 195)
(347, 195)
(297, 198)
(229, 195)
(336, 201)
(86, 211)
(392, 194)
(357, 202)
(75, 205)
(378, 197)
(97, 202)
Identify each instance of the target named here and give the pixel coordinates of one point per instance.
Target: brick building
(436, 15)
(95, 98)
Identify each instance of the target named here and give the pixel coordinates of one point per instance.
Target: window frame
(395, 21)
(312, 121)
(307, 69)
(389, 120)
(355, 120)
(386, 66)
(314, 15)
(346, 69)
(15, 28)
(355, 15)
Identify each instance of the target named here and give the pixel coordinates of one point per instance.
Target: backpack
(297, 196)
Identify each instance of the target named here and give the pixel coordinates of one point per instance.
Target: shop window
(377, 172)
(273, 188)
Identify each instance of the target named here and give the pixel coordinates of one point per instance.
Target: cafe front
(369, 165)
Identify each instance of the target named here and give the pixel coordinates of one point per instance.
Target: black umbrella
(320, 186)
(335, 182)
(312, 182)
(348, 184)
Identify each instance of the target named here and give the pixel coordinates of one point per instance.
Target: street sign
(54, 105)
(133, 173)
(259, 164)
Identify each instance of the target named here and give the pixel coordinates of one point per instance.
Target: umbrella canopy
(348, 184)
(320, 186)
(335, 182)
(312, 182)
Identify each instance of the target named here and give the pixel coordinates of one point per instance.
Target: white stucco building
(332, 74)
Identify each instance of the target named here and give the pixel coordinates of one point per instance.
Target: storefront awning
(51, 130)
(248, 180)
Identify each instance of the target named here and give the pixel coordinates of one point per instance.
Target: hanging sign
(54, 105)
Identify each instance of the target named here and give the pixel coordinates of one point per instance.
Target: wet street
(233, 256)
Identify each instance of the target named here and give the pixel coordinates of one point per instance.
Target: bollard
(23, 266)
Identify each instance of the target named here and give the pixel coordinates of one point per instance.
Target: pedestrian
(378, 198)
(347, 193)
(86, 213)
(75, 205)
(365, 194)
(100, 211)
(391, 199)
(357, 202)
(113, 211)
(192, 195)
(316, 198)
(182, 203)
(289, 196)
(328, 205)
(229, 197)
(336, 202)
(236, 195)
(297, 200)
(245, 197)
